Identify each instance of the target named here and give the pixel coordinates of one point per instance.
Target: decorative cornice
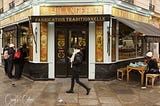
(114, 3)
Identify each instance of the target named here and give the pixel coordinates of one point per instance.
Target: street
(25, 92)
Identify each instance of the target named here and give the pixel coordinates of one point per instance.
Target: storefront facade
(155, 21)
(63, 30)
(107, 42)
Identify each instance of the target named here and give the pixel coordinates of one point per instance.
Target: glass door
(66, 38)
(61, 53)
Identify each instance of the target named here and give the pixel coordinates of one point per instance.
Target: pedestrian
(11, 52)
(5, 57)
(20, 61)
(152, 66)
(76, 61)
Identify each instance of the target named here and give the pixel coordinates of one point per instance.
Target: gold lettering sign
(17, 17)
(71, 10)
(67, 18)
(129, 15)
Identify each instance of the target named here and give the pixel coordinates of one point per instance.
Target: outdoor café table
(140, 69)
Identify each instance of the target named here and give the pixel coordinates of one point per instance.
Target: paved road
(103, 93)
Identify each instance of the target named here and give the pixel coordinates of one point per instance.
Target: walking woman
(76, 61)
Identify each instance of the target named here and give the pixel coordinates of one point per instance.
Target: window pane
(127, 42)
(139, 46)
(114, 40)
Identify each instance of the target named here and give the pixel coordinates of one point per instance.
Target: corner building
(110, 35)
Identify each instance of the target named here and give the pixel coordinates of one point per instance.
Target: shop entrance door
(66, 38)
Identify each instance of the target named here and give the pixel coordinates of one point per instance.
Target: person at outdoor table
(152, 66)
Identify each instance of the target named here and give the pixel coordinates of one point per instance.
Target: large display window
(126, 42)
(24, 38)
(129, 42)
(9, 35)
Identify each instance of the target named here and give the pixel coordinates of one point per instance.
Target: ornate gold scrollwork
(61, 54)
(61, 43)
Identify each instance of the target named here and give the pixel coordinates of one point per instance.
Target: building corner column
(36, 42)
(51, 48)
(92, 55)
(105, 41)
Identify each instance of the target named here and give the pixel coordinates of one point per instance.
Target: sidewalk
(52, 93)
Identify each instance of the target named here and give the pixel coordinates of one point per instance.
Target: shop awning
(151, 33)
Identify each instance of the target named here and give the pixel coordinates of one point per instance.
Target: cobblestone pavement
(26, 92)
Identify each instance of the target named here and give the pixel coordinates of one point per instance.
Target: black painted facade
(36, 71)
(109, 71)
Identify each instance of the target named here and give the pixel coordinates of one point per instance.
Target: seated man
(152, 65)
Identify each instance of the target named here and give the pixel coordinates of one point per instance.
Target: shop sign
(68, 18)
(71, 10)
(17, 17)
(129, 15)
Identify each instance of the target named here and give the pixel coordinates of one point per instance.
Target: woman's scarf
(73, 56)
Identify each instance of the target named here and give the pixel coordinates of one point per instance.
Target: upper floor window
(128, 1)
(25, 0)
(151, 7)
(11, 5)
(1, 10)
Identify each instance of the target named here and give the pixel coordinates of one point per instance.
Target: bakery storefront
(56, 30)
(61, 33)
(107, 41)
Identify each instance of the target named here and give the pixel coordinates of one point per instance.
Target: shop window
(10, 35)
(61, 47)
(114, 40)
(130, 43)
(24, 38)
(139, 46)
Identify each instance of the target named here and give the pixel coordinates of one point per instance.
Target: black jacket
(11, 52)
(6, 48)
(152, 66)
(78, 59)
